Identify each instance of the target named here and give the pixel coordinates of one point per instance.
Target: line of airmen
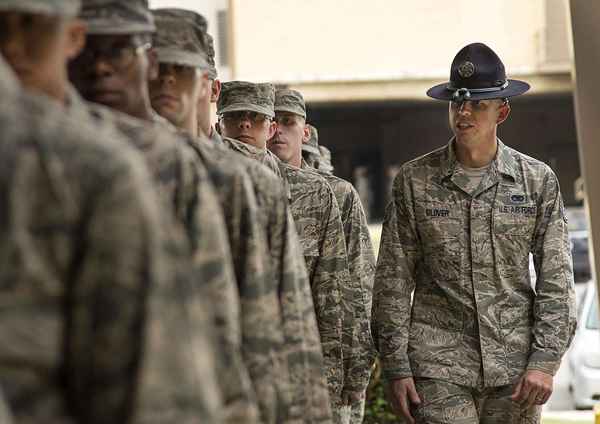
(157, 267)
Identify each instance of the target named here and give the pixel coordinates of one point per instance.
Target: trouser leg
(444, 403)
(496, 407)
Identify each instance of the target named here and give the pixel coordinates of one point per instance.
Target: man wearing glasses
(114, 70)
(478, 343)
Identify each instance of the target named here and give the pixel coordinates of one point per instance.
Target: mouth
(164, 98)
(245, 137)
(105, 96)
(464, 126)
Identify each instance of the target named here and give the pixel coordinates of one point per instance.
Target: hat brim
(295, 111)
(241, 107)
(514, 88)
(183, 58)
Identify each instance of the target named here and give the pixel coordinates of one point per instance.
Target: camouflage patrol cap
(291, 101)
(312, 145)
(239, 96)
(117, 17)
(325, 162)
(210, 49)
(180, 37)
(44, 7)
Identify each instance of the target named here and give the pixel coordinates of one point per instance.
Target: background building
(364, 67)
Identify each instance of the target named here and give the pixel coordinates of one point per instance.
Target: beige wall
(340, 40)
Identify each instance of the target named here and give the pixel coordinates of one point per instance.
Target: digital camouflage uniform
(475, 319)
(180, 40)
(85, 272)
(358, 346)
(310, 399)
(184, 184)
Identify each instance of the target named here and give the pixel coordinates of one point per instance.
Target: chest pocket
(440, 225)
(515, 220)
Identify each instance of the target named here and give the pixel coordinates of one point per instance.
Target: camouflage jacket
(317, 219)
(184, 186)
(361, 263)
(466, 257)
(263, 156)
(304, 357)
(84, 264)
(262, 332)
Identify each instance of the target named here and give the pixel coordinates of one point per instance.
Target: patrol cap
(210, 49)
(312, 145)
(180, 37)
(68, 8)
(108, 17)
(291, 101)
(325, 162)
(239, 96)
(477, 73)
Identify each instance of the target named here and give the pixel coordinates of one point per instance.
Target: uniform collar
(504, 162)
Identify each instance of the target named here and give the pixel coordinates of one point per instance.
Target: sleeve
(361, 263)
(330, 279)
(119, 259)
(555, 317)
(395, 281)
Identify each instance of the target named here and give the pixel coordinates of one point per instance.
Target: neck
(190, 125)
(296, 161)
(476, 154)
(143, 109)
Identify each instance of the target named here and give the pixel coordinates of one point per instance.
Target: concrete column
(585, 25)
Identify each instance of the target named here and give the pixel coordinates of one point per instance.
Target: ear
(504, 111)
(216, 91)
(272, 130)
(76, 35)
(205, 85)
(152, 64)
(306, 134)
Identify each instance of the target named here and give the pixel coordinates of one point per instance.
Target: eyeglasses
(254, 118)
(119, 57)
(286, 120)
(476, 105)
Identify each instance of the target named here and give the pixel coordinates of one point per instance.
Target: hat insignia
(466, 69)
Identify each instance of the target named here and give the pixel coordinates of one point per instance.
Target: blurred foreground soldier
(310, 399)
(319, 225)
(478, 344)
(183, 80)
(84, 269)
(114, 70)
(292, 132)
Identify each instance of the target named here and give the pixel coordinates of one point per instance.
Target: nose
(167, 76)
(245, 123)
(465, 108)
(101, 67)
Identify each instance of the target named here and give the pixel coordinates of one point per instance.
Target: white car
(584, 354)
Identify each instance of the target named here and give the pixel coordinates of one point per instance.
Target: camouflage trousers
(357, 411)
(444, 402)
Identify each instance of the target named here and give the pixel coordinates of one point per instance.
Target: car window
(593, 323)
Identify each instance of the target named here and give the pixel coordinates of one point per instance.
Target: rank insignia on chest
(517, 199)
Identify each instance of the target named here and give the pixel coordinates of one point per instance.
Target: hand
(402, 393)
(534, 388)
(350, 397)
